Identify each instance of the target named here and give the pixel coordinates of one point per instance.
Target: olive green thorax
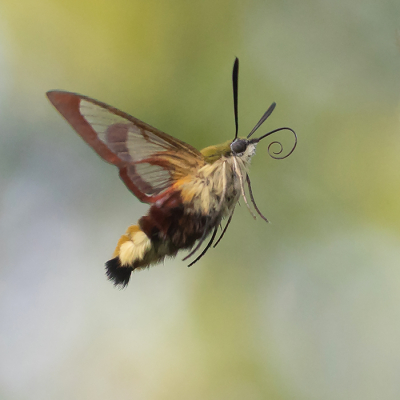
(214, 153)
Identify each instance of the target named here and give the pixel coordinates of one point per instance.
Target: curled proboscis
(275, 154)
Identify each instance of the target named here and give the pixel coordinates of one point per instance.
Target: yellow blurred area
(306, 307)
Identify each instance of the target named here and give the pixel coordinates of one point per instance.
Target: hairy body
(191, 211)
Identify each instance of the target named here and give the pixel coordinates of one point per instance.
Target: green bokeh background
(307, 307)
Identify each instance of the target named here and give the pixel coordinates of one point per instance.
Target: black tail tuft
(118, 274)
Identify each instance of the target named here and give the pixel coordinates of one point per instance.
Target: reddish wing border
(68, 104)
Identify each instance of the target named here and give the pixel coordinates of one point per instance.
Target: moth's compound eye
(239, 146)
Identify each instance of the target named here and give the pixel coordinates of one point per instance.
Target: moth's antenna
(263, 118)
(235, 76)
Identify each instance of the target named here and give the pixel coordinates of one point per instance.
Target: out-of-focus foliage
(307, 307)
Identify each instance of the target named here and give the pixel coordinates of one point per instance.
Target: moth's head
(243, 148)
(246, 146)
(239, 146)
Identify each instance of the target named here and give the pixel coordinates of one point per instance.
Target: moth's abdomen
(167, 228)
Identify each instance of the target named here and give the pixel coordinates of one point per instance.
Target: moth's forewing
(149, 161)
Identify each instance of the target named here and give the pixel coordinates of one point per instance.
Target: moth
(190, 192)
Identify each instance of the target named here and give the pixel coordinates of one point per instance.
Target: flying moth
(190, 192)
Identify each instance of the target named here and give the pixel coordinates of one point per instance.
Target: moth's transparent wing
(149, 160)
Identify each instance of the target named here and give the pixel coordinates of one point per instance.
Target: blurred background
(307, 307)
